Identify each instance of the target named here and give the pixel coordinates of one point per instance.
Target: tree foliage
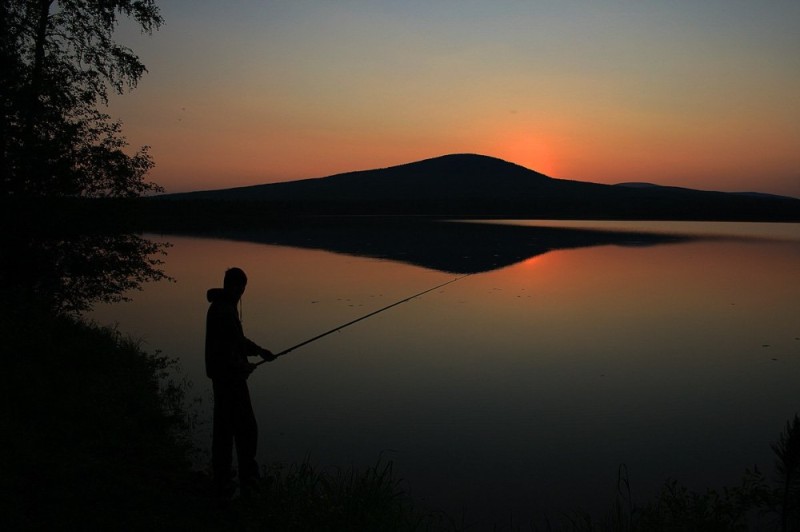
(59, 64)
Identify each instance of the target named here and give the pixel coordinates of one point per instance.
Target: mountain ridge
(449, 171)
(480, 185)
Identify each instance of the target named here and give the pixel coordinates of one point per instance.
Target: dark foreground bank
(96, 436)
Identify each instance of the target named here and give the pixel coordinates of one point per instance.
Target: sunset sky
(702, 94)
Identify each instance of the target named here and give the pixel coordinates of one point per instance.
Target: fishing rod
(349, 323)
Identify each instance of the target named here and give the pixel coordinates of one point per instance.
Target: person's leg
(223, 435)
(246, 437)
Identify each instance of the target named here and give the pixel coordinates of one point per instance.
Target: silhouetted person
(227, 366)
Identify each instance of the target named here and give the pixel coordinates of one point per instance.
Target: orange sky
(697, 94)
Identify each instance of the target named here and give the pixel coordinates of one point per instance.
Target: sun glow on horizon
(701, 95)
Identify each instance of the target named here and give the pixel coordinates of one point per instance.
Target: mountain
(477, 185)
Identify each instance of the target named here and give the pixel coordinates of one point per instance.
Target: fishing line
(349, 323)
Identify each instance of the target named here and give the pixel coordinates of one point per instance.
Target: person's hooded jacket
(227, 348)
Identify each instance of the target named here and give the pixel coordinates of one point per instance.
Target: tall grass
(755, 504)
(303, 497)
(787, 465)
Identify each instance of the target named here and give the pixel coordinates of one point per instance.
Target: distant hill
(477, 185)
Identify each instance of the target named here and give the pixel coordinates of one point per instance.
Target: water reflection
(448, 246)
(520, 389)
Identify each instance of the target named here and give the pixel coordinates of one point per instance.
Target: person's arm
(251, 348)
(226, 346)
(254, 350)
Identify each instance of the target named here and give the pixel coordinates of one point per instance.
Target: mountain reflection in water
(447, 246)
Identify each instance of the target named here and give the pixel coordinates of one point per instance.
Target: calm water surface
(518, 390)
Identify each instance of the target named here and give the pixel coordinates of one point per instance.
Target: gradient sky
(702, 94)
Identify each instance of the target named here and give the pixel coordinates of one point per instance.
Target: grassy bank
(96, 437)
(93, 438)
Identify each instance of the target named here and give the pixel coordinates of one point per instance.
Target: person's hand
(267, 355)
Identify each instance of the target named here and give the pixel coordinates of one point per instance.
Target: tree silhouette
(59, 63)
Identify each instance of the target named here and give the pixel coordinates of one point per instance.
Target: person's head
(235, 282)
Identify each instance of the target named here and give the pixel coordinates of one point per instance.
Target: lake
(562, 351)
